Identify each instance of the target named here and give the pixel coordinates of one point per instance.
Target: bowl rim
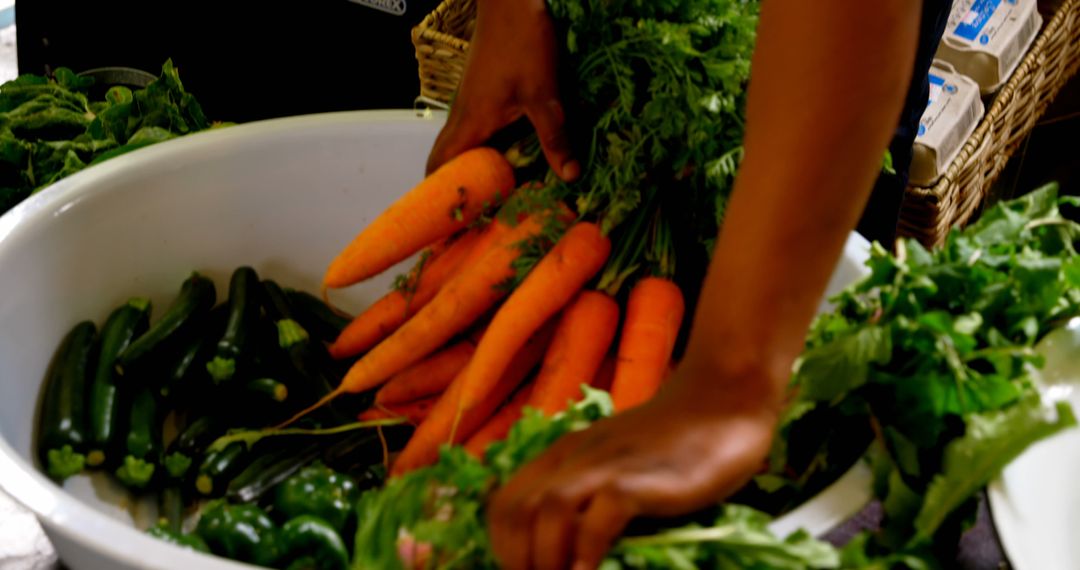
(65, 515)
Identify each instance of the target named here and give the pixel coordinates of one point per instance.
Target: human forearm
(821, 109)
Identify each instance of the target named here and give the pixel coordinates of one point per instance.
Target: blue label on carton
(936, 85)
(975, 19)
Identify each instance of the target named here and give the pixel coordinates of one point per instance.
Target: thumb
(463, 131)
(548, 119)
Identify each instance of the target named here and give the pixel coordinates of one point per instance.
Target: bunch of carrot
(455, 350)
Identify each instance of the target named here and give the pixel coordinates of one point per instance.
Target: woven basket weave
(929, 213)
(441, 41)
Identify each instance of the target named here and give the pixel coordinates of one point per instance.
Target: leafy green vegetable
(50, 130)
(739, 538)
(992, 441)
(934, 351)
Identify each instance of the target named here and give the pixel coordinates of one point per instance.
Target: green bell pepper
(239, 532)
(189, 541)
(320, 491)
(311, 543)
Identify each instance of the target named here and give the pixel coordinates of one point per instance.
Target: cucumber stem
(290, 332)
(135, 473)
(221, 369)
(64, 462)
(177, 464)
(139, 303)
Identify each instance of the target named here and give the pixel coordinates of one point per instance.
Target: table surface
(23, 546)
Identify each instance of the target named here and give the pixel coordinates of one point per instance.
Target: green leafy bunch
(932, 358)
(659, 94)
(50, 129)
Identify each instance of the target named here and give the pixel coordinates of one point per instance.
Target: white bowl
(283, 196)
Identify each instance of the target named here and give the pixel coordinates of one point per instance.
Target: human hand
(680, 452)
(510, 73)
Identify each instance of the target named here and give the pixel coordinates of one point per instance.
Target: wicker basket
(441, 41)
(929, 213)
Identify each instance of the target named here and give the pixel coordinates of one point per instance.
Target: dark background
(243, 60)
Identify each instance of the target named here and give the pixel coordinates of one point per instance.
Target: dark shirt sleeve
(879, 220)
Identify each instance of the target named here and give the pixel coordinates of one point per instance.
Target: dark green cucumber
(171, 508)
(198, 435)
(322, 321)
(62, 423)
(268, 389)
(243, 314)
(219, 467)
(314, 369)
(107, 398)
(269, 470)
(187, 368)
(197, 296)
(190, 444)
(276, 301)
(308, 372)
(143, 441)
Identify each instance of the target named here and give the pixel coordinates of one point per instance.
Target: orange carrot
(426, 377)
(499, 425)
(448, 200)
(554, 281)
(460, 303)
(415, 411)
(436, 430)
(577, 350)
(654, 314)
(456, 306)
(605, 376)
(384, 316)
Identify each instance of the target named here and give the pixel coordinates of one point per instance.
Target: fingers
(547, 117)
(553, 532)
(514, 507)
(535, 519)
(603, 522)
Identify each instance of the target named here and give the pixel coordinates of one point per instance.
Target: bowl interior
(283, 196)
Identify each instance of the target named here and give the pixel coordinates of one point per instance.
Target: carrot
(415, 412)
(584, 335)
(499, 425)
(554, 281)
(456, 306)
(461, 302)
(448, 200)
(438, 428)
(654, 314)
(384, 316)
(605, 376)
(426, 377)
